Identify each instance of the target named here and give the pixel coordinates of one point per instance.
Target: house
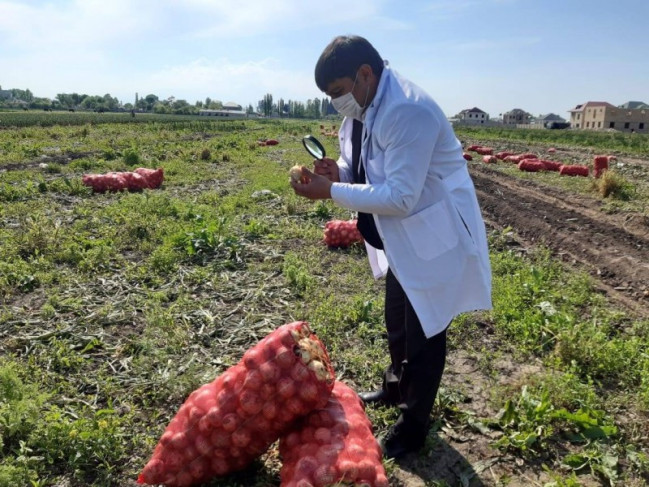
(600, 115)
(223, 114)
(550, 117)
(472, 116)
(232, 106)
(634, 105)
(516, 117)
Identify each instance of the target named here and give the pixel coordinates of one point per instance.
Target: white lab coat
(423, 201)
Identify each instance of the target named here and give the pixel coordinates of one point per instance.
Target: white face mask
(347, 105)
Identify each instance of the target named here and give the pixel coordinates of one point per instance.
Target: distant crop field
(589, 139)
(115, 306)
(59, 117)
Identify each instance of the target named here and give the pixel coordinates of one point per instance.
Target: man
(401, 168)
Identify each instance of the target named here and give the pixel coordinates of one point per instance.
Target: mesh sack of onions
(341, 233)
(226, 424)
(141, 178)
(333, 446)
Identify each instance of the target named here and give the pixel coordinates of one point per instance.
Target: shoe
(379, 397)
(402, 439)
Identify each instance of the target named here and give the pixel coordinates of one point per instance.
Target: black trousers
(417, 363)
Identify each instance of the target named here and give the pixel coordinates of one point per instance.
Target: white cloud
(225, 80)
(80, 23)
(243, 18)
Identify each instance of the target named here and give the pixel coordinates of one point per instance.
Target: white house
(223, 114)
(472, 116)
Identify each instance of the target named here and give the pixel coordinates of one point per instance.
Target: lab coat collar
(370, 113)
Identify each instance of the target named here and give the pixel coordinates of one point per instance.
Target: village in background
(631, 117)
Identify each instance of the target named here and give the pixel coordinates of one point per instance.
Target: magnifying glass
(314, 147)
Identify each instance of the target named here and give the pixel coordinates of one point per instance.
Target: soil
(612, 248)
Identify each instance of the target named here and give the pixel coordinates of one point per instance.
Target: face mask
(348, 106)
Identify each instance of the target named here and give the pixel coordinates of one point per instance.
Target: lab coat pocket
(431, 231)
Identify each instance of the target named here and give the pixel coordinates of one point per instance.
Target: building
(599, 115)
(471, 116)
(516, 117)
(634, 105)
(549, 118)
(224, 114)
(232, 106)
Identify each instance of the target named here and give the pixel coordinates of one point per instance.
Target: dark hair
(342, 58)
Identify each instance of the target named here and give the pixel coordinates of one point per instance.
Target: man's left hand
(316, 188)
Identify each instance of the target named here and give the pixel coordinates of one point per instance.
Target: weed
(210, 241)
(296, 273)
(531, 421)
(613, 185)
(132, 156)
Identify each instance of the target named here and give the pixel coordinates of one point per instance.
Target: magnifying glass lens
(314, 147)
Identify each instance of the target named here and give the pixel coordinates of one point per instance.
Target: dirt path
(614, 249)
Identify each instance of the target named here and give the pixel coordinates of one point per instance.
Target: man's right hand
(328, 168)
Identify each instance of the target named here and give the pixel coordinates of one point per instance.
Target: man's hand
(316, 188)
(328, 168)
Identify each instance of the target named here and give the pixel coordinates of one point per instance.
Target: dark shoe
(379, 397)
(403, 438)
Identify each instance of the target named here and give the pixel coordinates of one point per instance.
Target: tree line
(25, 99)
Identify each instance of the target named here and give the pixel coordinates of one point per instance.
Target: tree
(24, 95)
(71, 100)
(266, 105)
(41, 103)
(181, 107)
(150, 100)
(296, 109)
(313, 108)
(280, 108)
(110, 103)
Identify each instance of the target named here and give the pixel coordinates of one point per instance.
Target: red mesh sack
(473, 147)
(341, 233)
(600, 164)
(134, 181)
(467, 156)
(531, 165)
(574, 170)
(489, 159)
(502, 155)
(141, 178)
(95, 181)
(224, 425)
(333, 446)
(153, 177)
(484, 151)
(514, 158)
(551, 165)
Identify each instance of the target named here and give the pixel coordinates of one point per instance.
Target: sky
(543, 56)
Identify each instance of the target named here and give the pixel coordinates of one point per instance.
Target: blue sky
(539, 55)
